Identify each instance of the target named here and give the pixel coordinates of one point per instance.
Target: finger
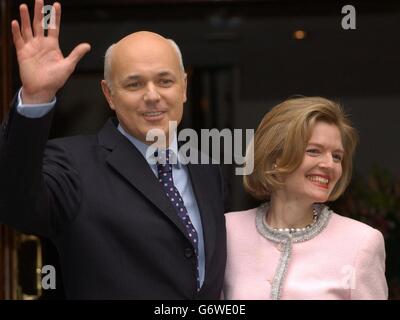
(38, 19)
(17, 37)
(54, 31)
(77, 54)
(25, 22)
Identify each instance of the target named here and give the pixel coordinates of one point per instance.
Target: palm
(43, 68)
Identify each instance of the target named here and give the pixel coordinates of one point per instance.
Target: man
(119, 230)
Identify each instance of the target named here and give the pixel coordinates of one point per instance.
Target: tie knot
(162, 156)
(163, 161)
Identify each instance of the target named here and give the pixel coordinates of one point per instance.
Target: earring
(275, 166)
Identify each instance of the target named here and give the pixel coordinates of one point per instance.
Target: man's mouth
(153, 115)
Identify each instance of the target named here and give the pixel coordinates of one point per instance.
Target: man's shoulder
(88, 140)
(76, 140)
(79, 145)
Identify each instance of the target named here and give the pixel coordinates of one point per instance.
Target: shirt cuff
(34, 110)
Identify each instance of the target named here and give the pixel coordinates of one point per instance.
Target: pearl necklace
(294, 230)
(286, 240)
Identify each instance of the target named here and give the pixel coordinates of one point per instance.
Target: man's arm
(42, 66)
(33, 110)
(22, 144)
(29, 185)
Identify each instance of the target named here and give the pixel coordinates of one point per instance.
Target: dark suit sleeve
(224, 188)
(39, 187)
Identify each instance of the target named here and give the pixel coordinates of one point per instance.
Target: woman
(293, 246)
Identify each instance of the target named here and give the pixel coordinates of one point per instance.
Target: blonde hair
(284, 133)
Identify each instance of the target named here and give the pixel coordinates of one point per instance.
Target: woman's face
(321, 167)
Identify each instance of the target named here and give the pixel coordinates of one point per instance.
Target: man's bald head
(145, 83)
(143, 36)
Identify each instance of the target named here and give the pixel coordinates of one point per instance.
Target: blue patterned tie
(165, 178)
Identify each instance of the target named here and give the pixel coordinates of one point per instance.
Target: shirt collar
(142, 147)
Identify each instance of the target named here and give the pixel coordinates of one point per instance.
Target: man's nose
(151, 95)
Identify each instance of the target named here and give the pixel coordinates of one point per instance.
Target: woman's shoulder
(240, 217)
(353, 228)
(240, 225)
(241, 214)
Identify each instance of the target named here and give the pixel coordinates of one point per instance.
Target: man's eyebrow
(321, 146)
(165, 73)
(131, 78)
(134, 77)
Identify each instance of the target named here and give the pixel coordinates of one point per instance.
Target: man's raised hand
(42, 66)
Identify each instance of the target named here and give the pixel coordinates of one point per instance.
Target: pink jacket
(345, 261)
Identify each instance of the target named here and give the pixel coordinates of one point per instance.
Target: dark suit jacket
(117, 234)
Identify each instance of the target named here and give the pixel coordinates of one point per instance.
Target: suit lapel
(131, 165)
(199, 181)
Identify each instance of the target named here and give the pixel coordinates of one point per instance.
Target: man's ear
(184, 87)
(107, 93)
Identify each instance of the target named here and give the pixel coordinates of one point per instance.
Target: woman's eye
(337, 157)
(313, 151)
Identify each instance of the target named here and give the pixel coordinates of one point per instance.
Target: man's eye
(165, 82)
(133, 85)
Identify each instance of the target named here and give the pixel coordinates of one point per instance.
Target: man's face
(148, 86)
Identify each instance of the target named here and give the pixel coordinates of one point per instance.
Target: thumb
(77, 54)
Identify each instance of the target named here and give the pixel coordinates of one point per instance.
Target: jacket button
(188, 253)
